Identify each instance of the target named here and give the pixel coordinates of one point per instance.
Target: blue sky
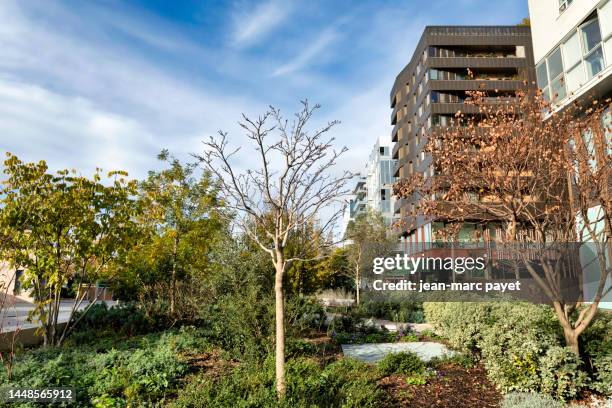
(86, 83)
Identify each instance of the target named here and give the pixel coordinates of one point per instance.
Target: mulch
(453, 387)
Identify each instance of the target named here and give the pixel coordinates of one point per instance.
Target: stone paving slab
(372, 353)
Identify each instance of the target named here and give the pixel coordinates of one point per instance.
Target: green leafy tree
(367, 237)
(183, 220)
(63, 228)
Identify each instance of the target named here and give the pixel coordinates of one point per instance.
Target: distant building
(374, 190)
(379, 180)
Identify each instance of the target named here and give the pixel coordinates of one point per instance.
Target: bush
(397, 310)
(125, 319)
(529, 400)
(520, 344)
(299, 348)
(597, 342)
(345, 383)
(561, 374)
(460, 359)
(141, 370)
(401, 363)
(460, 323)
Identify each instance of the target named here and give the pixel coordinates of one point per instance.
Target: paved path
(372, 353)
(388, 324)
(16, 315)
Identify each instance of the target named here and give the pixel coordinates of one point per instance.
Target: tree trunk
(570, 333)
(357, 285)
(280, 330)
(173, 277)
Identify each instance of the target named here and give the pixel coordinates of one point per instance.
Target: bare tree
(289, 189)
(535, 174)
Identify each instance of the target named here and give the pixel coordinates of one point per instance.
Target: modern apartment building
(379, 180)
(431, 89)
(357, 203)
(374, 190)
(572, 45)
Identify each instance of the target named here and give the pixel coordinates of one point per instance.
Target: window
(564, 4)
(594, 63)
(591, 36)
(555, 65)
(572, 53)
(434, 74)
(541, 75)
(591, 47)
(435, 96)
(557, 89)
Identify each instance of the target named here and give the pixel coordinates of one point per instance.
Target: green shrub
(520, 345)
(512, 344)
(397, 310)
(410, 337)
(460, 323)
(597, 345)
(125, 319)
(299, 348)
(345, 383)
(529, 400)
(464, 360)
(140, 370)
(401, 363)
(561, 374)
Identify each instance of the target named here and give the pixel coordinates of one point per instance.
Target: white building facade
(572, 45)
(379, 180)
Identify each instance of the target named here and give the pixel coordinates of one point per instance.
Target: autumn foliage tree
(288, 186)
(544, 176)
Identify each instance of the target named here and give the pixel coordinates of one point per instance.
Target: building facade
(380, 179)
(572, 46)
(572, 42)
(448, 62)
(374, 190)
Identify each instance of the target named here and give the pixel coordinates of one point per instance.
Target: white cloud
(82, 102)
(255, 24)
(70, 131)
(309, 53)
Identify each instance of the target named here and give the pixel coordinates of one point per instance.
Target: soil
(211, 363)
(452, 387)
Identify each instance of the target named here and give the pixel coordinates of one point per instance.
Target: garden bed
(452, 387)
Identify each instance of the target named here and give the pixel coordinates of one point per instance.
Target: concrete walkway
(387, 324)
(372, 353)
(16, 316)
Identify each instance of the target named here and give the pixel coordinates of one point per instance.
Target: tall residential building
(357, 203)
(379, 180)
(374, 190)
(572, 45)
(431, 89)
